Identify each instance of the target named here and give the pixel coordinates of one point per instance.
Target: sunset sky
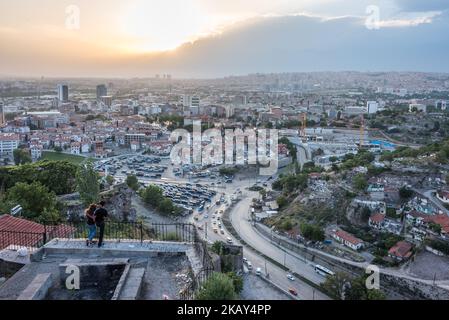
(38, 37)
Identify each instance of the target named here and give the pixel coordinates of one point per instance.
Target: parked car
(258, 272)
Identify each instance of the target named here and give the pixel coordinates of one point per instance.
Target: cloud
(402, 22)
(423, 5)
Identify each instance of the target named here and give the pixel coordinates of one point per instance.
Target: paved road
(240, 220)
(240, 212)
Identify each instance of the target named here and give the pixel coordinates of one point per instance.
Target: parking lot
(188, 196)
(139, 165)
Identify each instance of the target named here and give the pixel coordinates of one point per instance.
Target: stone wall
(8, 268)
(233, 260)
(118, 203)
(410, 289)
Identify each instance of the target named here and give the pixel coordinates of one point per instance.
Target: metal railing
(201, 249)
(118, 231)
(125, 231)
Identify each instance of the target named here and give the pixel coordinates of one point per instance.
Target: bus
(323, 271)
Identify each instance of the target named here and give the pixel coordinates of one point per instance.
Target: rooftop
(402, 249)
(378, 217)
(348, 237)
(147, 270)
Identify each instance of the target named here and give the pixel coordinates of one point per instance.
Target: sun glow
(165, 25)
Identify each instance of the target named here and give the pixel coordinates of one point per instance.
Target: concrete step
(132, 284)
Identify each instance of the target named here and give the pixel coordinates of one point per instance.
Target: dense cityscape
(224, 159)
(361, 179)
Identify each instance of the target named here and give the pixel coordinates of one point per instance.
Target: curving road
(239, 217)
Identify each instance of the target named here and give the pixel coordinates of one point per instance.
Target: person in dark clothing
(90, 219)
(100, 214)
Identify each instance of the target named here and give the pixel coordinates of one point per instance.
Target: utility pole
(285, 256)
(266, 273)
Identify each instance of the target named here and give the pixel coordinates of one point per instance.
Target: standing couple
(95, 215)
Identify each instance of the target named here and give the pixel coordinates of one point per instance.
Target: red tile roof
(441, 219)
(402, 249)
(348, 237)
(22, 232)
(416, 214)
(378, 217)
(10, 223)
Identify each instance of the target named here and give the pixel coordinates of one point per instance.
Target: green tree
(375, 294)
(218, 287)
(37, 201)
(286, 225)
(359, 182)
(57, 176)
(87, 182)
(311, 232)
(281, 201)
(237, 281)
(405, 193)
(110, 179)
(166, 206)
(357, 290)
(21, 156)
(435, 227)
(335, 285)
(218, 247)
(152, 195)
(366, 213)
(132, 182)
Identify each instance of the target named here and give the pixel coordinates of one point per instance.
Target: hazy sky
(101, 37)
